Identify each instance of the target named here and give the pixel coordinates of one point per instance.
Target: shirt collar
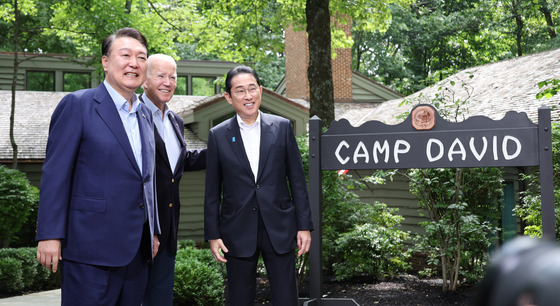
(242, 124)
(121, 101)
(156, 112)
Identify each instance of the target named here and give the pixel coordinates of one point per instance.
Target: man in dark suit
(172, 158)
(97, 200)
(256, 200)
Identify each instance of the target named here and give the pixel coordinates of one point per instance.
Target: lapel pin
(233, 139)
(143, 116)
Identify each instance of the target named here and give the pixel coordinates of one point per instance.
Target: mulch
(401, 290)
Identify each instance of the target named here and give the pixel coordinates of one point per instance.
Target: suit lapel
(107, 111)
(233, 137)
(160, 147)
(268, 132)
(177, 130)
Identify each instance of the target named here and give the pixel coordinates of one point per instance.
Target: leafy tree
(460, 204)
(22, 24)
(429, 40)
(87, 23)
(251, 31)
(18, 198)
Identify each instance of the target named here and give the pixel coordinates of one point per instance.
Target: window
(203, 86)
(181, 85)
(40, 80)
(76, 80)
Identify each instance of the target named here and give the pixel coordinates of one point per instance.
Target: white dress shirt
(165, 129)
(251, 136)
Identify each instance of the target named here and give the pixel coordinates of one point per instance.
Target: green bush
(199, 279)
(18, 198)
(371, 250)
(349, 223)
(29, 275)
(11, 276)
(345, 218)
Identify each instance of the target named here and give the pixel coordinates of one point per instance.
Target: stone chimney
(297, 60)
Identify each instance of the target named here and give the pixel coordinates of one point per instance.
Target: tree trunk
(14, 84)
(128, 6)
(358, 50)
(319, 71)
(444, 265)
(543, 7)
(457, 263)
(518, 27)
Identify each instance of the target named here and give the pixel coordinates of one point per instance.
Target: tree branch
(163, 18)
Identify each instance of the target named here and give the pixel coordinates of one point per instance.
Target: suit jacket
(93, 195)
(233, 199)
(167, 182)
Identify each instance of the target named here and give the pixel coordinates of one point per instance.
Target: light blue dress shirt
(165, 129)
(129, 120)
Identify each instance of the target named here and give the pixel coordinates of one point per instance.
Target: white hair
(158, 56)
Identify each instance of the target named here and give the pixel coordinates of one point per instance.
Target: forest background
(406, 45)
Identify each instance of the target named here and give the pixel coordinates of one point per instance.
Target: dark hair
(124, 32)
(239, 70)
(523, 269)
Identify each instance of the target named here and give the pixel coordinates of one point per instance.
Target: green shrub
(345, 216)
(199, 278)
(183, 244)
(11, 276)
(371, 250)
(345, 219)
(32, 276)
(18, 198)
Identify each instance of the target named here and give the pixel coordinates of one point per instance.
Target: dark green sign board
(425, 140)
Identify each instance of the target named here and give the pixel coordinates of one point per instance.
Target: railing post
(545, 165)
(315, 190)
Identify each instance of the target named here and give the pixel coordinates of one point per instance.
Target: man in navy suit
(172, 158)
(97, 211)
(256, 200)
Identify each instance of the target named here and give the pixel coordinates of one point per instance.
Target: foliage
(33, 19)
(355, 232)
(20, 272)
(372, 249)
(445, 101)
(18, 199)
(11, 276)
(199, 279)
(530, 209)
(430, 40)
(551, 91)
(462, 205)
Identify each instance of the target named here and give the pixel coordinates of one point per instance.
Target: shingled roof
(33, 115)
(493, 90)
